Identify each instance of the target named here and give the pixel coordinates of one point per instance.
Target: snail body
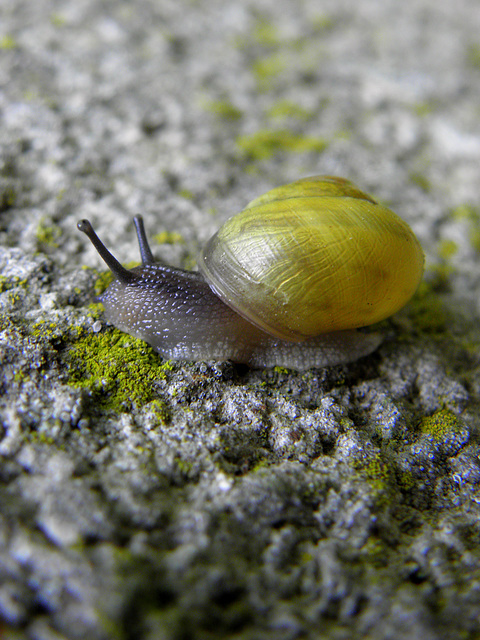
(284, 282)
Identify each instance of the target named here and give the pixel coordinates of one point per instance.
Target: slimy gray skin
(181, 317)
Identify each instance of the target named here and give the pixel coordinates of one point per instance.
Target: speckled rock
(151, 500)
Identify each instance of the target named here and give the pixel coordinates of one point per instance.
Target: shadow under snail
(285, 282)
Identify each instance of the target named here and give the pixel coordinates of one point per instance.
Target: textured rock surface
(150, 500)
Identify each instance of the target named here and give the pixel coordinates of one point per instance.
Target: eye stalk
(145, 251)
(122, 274)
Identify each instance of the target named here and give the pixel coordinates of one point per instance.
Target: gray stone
(147, 500)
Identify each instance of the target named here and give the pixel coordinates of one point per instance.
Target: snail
(285, 282)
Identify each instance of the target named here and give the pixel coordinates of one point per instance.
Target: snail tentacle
(122, 274)
(145, 251)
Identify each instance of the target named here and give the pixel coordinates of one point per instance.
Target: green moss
(375, 552)
(346, 423)
(118, 370)
(441, 424)
(104, 279)
(159, 408)
(185, 467)
(475, 239)
(19, 377)
(426, 310)
(58, 20)
(423, 108)
(421, 181)
(8, 42)
(447, 249)
(168, 237)
(322, 23)
(224, 109)
(265, 33)
(6, 323)
(267, 68)
(186, 193)
(11, 283)
(95, 310)
(265, 144)
(8, 197)
(55, 333)
(286, 109)
(406, 480)
(472, 215)
(473, 55)
(44, 330)
(47, 235)
(281, 370)
(466, 212)
(375, 470)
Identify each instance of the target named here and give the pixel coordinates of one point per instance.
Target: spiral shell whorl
(313, 257)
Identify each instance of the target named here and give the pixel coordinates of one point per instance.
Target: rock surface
(161, 501)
